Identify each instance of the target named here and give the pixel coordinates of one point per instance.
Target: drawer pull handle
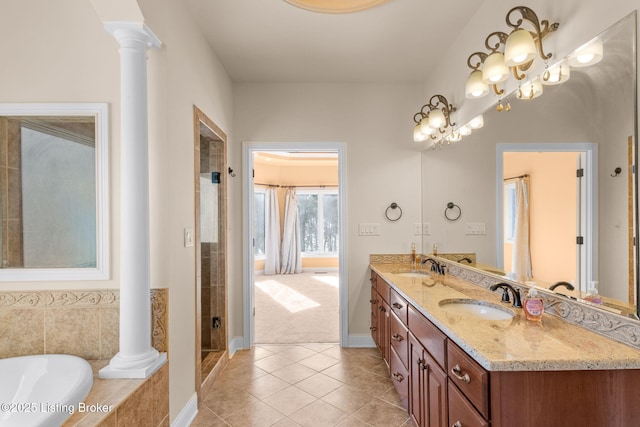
(456, 424)
(398, 377)
(397, 337)
(457, 372)
(373, 301)
(422, 365)
(373, 328)
(397, 305)
(381, 308)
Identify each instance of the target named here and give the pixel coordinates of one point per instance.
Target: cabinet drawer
(383, 289)
(461, 412)
(398, 305)
(399, 337)
(400, 378)
(471, 378)
(429, 335)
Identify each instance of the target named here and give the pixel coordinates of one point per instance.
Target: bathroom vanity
(460, 368)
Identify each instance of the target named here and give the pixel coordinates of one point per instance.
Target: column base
(145, 371)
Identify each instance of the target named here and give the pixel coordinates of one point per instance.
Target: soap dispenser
(533, 306)
(592, 295)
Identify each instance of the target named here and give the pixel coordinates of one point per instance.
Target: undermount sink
(477, 309)
(419, 274)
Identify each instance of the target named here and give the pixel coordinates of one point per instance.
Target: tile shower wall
(213, 244)
(82, 323)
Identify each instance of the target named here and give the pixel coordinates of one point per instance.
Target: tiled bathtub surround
(84, 323)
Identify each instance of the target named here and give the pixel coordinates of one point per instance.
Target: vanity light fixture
(587, 55)
(520, 49)
(556, 74)
(433, 119)
(530, 90)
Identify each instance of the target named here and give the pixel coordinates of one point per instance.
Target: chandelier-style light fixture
(433, 121)
(510, 54)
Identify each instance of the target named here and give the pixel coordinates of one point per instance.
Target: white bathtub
(42, 390)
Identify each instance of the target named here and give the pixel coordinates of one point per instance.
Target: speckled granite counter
(508, 345)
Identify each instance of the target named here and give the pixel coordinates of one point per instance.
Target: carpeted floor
(297, 308)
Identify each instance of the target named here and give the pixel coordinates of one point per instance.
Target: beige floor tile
(266, 386)
(391, 396)
(348, 399)
(353, 421)
(238, 376)
(319, 385)
(225, 402)
(297, 353)
(319, 347)
(275, 348)
(273, 363)
(289, 400)
(344, 373)
(286, 422)
(382, 414)
(206, 418)
(372, 384)
(319, 362)
(256, 415)
(318, 414)
(294, 373)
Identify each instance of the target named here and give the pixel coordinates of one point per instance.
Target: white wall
(60, 52)
(383, 164)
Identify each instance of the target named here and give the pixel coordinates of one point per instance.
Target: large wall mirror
(54, 192)
(588, 122)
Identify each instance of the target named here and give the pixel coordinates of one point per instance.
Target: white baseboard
(236, 343)
(188, 413)
(359, 341)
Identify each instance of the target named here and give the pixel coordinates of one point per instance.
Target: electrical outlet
(417, 229)
(426, 228)
(188, 237)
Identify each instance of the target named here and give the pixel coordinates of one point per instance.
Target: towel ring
(393, 206)
(453, 217)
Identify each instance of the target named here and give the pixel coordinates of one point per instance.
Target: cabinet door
(400, 378)
(461, 412)
(427, 388)
(435, 383)
(374, 316)
(383, 330)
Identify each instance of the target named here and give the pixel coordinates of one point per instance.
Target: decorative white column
(136, 358)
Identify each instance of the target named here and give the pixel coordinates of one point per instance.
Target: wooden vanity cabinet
(380, 312)
(428, 388)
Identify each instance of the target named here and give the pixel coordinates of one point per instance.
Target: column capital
(129, 31)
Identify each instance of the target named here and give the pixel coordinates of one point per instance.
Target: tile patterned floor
(313, 385)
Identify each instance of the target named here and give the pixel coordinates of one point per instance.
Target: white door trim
(248, 148)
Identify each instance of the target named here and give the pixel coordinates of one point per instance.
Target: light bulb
(425, 128)
(436, 119)
(465, 130)
(477, 122)
(587, 55)
(476, 87)
(494, 69)
(519, 48)
(418, 136)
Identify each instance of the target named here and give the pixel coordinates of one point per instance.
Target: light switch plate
(426, 228)
(369, 229)
(188, 237)
(475, 228)
(417, 229)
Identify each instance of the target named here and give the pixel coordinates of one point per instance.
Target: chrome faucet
(565, 284)
(466, 259)
(505, 294)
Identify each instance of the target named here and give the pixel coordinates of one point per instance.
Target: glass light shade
(425, 128)
(556, 74)
(477, 122)
(476, 87)
(587, 55)
(494, 69)
(519, 48)
(454, 136)
(465, 130)
(436, 119)
(418, 136)
(530, 90)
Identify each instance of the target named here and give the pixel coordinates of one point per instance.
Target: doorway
(559, 180)
(311, 177)
(210, 241)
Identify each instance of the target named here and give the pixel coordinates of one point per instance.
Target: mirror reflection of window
(509, 211)
(48, 184)
(259, 222)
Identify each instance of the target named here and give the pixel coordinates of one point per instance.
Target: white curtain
(291, 251)
(521, 260)
(271, 232)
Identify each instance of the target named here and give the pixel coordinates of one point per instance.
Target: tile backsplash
(84, 323)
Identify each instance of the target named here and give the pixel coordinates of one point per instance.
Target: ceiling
(272, 41)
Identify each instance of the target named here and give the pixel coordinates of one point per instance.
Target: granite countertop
(508, 345)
